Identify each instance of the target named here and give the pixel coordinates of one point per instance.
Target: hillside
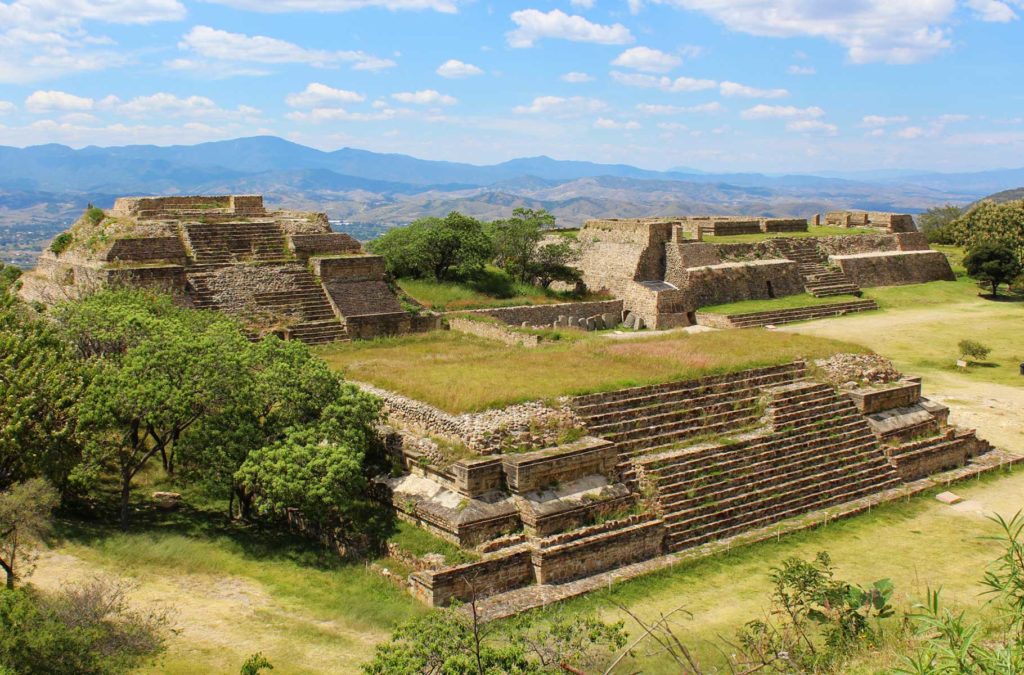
(1013, 195)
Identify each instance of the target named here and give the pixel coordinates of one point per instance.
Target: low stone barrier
(597, 553)
(529, 471)
(894, 268)
(493, 331)
(900, 395)
(497, 574)
(546, 315)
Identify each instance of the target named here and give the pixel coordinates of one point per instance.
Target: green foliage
(516, 239)
(994, 263)
(322, 470)
(437, 247)
(94, 215)
(256, 664)
(990, 223)
(25, 517)
(40, 382)
(61, 242)
(452, 641)
(936, 223)
(971, 349)
(9, 275)
(81, 630)
(816, 620)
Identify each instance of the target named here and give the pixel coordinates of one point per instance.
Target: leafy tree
(286, 388)
(935, 223)
(993, 263)
(453, 641)
(25, 517)
(971, 349)
(40, 382)
(551, 263)
(435, 247)
(516, 240)
(323, 471)
(9, 275)
(990, 223)
(81, 630)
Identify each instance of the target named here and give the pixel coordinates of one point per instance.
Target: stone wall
(493, 331)
(147, 250)
(545, 315)
(874, 400)
(496, 574)
(894, 268)
(733, 282)
(592, 554)
(529, 471)
(306, 245)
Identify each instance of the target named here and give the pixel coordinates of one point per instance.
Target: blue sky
(737, 85)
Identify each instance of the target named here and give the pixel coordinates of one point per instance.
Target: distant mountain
(1014, 195)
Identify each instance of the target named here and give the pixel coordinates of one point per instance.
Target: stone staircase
(645, 420)
(783, 316)
(820, 280)
(816, 451)
(231, 242)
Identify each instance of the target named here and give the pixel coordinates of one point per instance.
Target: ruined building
(279, 271)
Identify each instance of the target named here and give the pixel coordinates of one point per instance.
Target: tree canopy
(993, 263)
(990, 223)
(936, 223)
(437, 247)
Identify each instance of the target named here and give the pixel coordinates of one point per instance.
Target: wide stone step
(654, 416)
(642, 439)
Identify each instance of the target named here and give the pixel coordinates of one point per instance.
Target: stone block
(949, 498)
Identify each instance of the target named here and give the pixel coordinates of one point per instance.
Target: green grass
(918, 544)
(787, 302)
(462, 373)
(812, 231)
(419, 542)
(492, 288)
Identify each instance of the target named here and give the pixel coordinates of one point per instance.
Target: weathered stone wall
(306, 245)
(493, 331)
(160, 278)
(146, 250)
(894, 268)
(237, 204)
(894, 222)
(545, 315)
(369, 326)
(529, 471)
(350, 268)
(874, 400)
(597, 553)
(733, 282)
(492, 575)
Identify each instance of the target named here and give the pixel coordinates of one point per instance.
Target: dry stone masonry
(283, 272)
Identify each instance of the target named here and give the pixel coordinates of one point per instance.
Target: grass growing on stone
(812, 231)
(419, 542)
(491, 288)
(777, 304)
(461, 373)
(919, 544)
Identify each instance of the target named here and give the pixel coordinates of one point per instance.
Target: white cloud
(647, 60)
(455, 69)
(278, 6)
(7, 107)
(46, 101)
(606, 123)
(163, 104)
(424, 97)
(316, 94)
(910, 133)
(72, 12)
(801, 70)
(881, 120)
(576, 77)
(319, 115)
(762, 111)
(952, 118)
(533, 25)
(736, 89)
(993, 11)
(223, 46)
(904, 31)
(582, 4)
(664, 83)
(672, 126)
(558, 106)
(812, 126)
(660, 109)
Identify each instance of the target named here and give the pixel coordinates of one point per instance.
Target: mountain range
(42, 188)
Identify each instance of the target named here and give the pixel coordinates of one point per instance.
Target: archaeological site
(555, 497)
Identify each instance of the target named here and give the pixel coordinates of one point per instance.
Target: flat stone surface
(949, 498)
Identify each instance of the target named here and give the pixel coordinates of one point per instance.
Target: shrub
(971, 349)
(94, 215)
(61, 242)
(993, 263)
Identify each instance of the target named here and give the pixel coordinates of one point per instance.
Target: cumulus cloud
(278, 6)
(48, 101)
(647, 60)
(559, 106)
(660, 109)
(582, 4)
(910, 133)
(575, 77)
(664, 83)
(533, 25)
(870, 30)
(316, 94)
(993, 11)
(742, 90)
(762, 111)
(424, 97)
(801, 70)
(882, 120)
(225, 47)
(455, 69)
(812, 126)
(320, 115)
(606, 123)
(7, 107)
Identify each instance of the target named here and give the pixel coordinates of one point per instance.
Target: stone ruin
(884, 222)
(283, 272)
(665, 273)
(561, 497)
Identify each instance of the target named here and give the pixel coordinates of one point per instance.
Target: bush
(94, 215)
(936, 223)
(971, 349)
(437, 247)
(61, 242)
(993, 263)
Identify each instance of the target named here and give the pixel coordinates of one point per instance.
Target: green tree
(438, 247)
(322, 470)
(25, 517)
(551, 263)
(9, 275)
(972, 349)
(936, 223)
(40, 382)
(993, 263)
(517, 239)
(990, 223)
